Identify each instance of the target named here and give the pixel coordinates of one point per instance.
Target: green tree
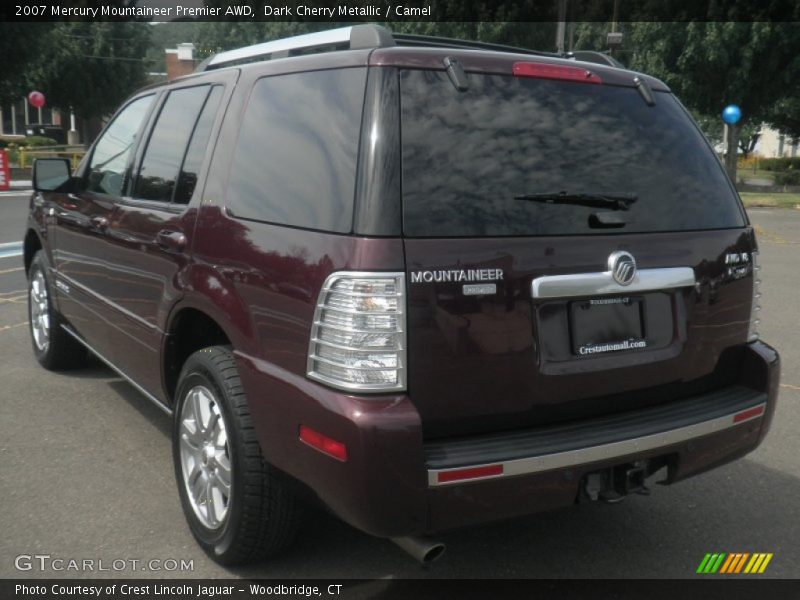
(785, 116)
(19, 46)
(90, 67)
(712, 64)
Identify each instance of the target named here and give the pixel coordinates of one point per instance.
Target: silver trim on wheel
(39, 311)
(205, 457)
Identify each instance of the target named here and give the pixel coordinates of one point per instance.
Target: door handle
(99, 223)
(171, 241)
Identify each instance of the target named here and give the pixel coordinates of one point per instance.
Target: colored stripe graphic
(717, 564)
(764, 564)
(741, 562)
(734, 562)
(758, 563)
(711, 563)
(703, 563)
(728, 564)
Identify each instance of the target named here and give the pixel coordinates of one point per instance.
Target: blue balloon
(731, 114)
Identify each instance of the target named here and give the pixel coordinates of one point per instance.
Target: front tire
(53, 347)
(240, 509)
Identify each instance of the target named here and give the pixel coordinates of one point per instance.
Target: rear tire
(53, 347)
(240, 509)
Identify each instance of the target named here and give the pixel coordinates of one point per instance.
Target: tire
(260, 515)
(53, 347)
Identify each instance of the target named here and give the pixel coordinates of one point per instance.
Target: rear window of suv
(468, 156)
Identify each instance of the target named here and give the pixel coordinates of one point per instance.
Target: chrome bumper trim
(613, 450)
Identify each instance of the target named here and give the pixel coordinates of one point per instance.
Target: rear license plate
(603, 325)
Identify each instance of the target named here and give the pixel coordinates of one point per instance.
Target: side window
(197, 148)
(295, 159)
(167, 144)
(111, 153)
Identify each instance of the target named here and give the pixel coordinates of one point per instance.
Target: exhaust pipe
(422, 549)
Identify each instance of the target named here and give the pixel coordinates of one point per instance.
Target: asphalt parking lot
(86, 473)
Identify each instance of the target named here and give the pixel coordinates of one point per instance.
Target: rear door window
(196, 152)
(295, 158)
(466, 156)
(167, 144)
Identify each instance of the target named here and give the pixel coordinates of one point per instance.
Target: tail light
(358, 338)
(755, 307)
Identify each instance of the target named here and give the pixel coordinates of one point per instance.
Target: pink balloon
(36, 99)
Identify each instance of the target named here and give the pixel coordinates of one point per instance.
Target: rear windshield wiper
(612, 201)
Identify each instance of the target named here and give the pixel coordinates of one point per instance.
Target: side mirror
(51, 174)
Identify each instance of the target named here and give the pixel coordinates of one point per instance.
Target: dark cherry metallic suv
(430, 283)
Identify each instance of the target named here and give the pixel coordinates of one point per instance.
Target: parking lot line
(7, 327)
(14, 270)
(10, 249)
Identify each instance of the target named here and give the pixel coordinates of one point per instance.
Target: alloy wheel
(39, 311)
(205, 457)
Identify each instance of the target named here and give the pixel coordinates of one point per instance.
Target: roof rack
(356, 37)
(407, 39)
(369, 36)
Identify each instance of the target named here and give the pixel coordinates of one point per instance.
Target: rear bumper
(394, 484)
(592, 441)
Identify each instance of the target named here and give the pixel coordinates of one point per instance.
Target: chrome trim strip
(581, 456)
(355, 348)
(118, 371)
(355, 311)
(602, 283)
(318, 323)
(111, 303)
(308, 40)
(333, 363)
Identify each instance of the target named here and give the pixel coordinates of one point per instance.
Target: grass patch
(745, 174)
(765, 200)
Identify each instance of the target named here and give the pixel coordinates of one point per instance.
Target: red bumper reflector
(471, 473)
(545, 71)
(748, 414)
(323, 443)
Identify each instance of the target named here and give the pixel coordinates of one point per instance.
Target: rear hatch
(517, 192)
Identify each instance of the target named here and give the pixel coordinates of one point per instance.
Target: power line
(119, 58)
(93, 37)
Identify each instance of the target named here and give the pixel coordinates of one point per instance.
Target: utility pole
(72, 135)
(614, 39)
(561, 29)
(731, 115)
(571, 36)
